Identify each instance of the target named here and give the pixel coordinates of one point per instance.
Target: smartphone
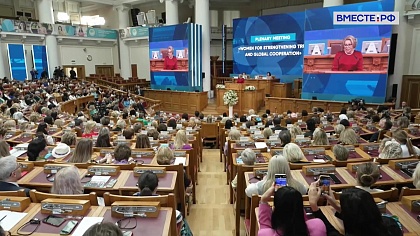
(54, 220)
(127, 233)
(69, 227)
(324, 183)
(281, 179)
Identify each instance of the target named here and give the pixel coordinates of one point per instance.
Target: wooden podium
(247, 99)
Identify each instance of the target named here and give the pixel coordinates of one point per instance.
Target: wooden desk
(148, 226)
(407, 219)
(158, 64)
(372, 63)
(266, 84)
(188, 102)
(34, 211)
(246, 100)
(281, 90)
(167, 183)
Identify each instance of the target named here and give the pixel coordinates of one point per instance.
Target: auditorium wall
(101, 55)
(139, 54)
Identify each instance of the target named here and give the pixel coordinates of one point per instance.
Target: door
(79, 69)
(134, 70)
(410, 90)
(107, 71)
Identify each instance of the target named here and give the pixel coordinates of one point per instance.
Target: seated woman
(165, 156)
(295, 130)
(69, 138)
(285, 137)
(267, 132)
(320, 137)
(103, 139)
(367, 175)
(348, 137)
(293, 153)
(89, 129)
(43, 128)
(382, 144)
(122, 155)
(233, 135)
(278, 165)
(142, 141)
(148, 184)
(392, 149)
(4, 148)
(416, 177)
(287, 216)
(83, 152)
(120, 125)
(341, 153)
(181, 141)
(248, 157)
(338, 129)
(387, 125)
(358, 211)
(37, 149)
(408, 149)
(153, 133)
(67, 182)
(128, 133)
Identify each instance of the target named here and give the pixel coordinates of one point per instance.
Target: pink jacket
(315, 226)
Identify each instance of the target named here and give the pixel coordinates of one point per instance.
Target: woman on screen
(170, 61)
(349, 59)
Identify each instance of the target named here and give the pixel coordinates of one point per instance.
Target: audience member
(10, 173)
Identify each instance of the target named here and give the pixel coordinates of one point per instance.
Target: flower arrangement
(250, 88)
(220, 86)
(230, 98)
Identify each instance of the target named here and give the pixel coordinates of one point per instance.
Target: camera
(357, 104)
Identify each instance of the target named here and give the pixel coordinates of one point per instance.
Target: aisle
(212, 215)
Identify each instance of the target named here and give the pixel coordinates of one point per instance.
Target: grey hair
(292, 152)
(248, 156)
(7, 166)
(416, 177)
(104, 131)
(67, 181)
(341, 153)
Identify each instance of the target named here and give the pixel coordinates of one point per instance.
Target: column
(332, 3)
(46, 15)
(3, 66)
(123, 22)
(202, 17)
(402, 54)
(171, 7)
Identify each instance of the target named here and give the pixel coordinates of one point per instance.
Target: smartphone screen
(69, 227)
(281, 179)
(54, 220)
(324, 183)
(127, 233)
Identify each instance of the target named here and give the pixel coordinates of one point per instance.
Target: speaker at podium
(316, 48)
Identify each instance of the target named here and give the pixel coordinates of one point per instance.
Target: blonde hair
(349, 137)
(83, 151)
(121, 123)
(367, 174)
(402, 137)
(292, 152)
(295, 130)
(392, 149)
(338, 129)
(279, 165)
(9, 124)
(352, 39)
(4, 148)
(251, 112)
(90, 126)
(416, 177)
(382, 144)
(164, 155)
(69, 138)
(267, 132)
(350, 114)
(59, 123)
(180, 139)
(67, 181)
(34, 117)
(320, 138)
(234, 135)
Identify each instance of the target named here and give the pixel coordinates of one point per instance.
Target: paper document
(180, 160)
(260, 145)
(10, 219)
(100, 178)
(85, 224)
(17, 153)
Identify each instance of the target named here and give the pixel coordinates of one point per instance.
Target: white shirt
(343, 117)
(405, 152)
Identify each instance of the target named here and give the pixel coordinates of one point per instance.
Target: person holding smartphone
(287, 217)
(358, 211)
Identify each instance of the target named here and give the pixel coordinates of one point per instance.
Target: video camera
(357, 104)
